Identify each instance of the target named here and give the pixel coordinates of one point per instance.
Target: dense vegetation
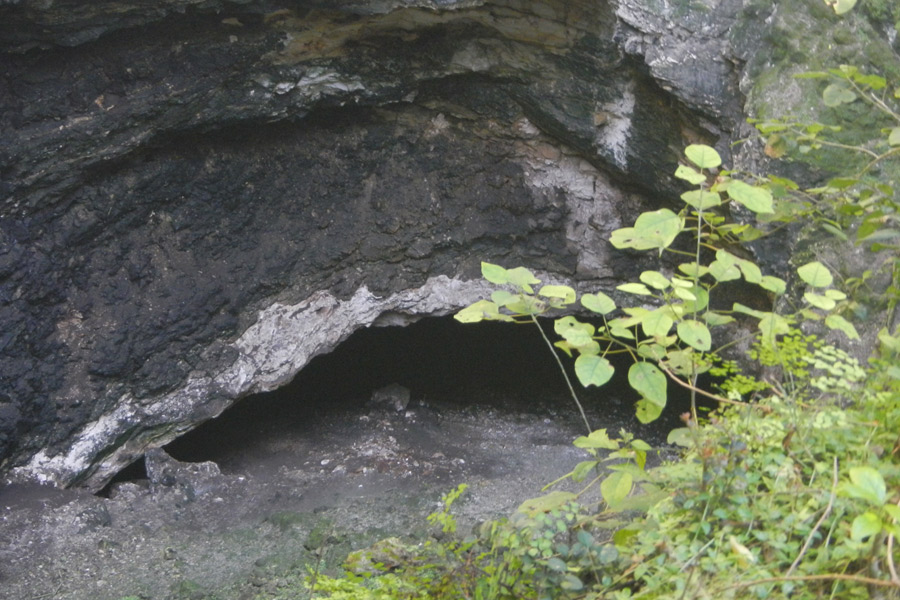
(790, 488)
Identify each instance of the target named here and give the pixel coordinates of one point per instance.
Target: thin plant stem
(820, 521)
(824, 577)
(890, 558)
(563, 371)
(700, 391)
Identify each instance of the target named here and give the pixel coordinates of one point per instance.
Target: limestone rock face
(199, 196)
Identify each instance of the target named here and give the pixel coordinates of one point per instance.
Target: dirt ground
(251, 499)
(279, 490)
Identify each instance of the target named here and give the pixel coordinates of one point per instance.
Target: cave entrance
(489, 371)
(487, 407)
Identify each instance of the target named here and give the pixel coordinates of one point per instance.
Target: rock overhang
(194, 217)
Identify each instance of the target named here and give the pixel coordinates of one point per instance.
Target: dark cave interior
(439, 360)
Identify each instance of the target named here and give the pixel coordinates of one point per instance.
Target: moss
(804, 35)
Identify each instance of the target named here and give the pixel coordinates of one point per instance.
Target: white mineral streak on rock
(591, 200)
(273, 350)
(615, 133)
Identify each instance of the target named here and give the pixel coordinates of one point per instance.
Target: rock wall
(198, 196)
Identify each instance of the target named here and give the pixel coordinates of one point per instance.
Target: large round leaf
(593, 370)
(646, 411)
(703, 156)
(657, 323)
(757, 199)
(695, 334)
(654, 229)
(690, 175)
(494, 273)
(815, 274)
(648, 381)
(599, 303)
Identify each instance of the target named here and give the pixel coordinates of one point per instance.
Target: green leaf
(681, 362)
(746, 310)
(655, 279)
(582, 469)
(690, 175)
(616, 330)
(556, 564)
(636, 314)
(599, 303)
(503, 297)
(701, 199)
(703, 156)
(523, 278)
(695, 334)
(623, 537)
(773, 284)
(757, 199)
(893, 511)
(652, 351)
(693, 269)
(524, 304)
(483, 310)
(571, 583)
(723, 271)
(494, 273)
(646, 411)
(657, 323)
(563, 292)
(680, 436)
(894, 137)
(686, 295)
(714, 319)
(841, 6)
(865, 525)
(842, 183)
(565, 347)
(546, 503)
(771, 326)
(579, 335)
(839, 323)
(837, 94)
(655, 229)
(615, 488)
(635, 288)
(593, 370)
(876, 82)
(819, 301)
(868, 484)
(751, 272)
(597, 439)
(564, 326)
(701, 302)
(649, 382)
(815, 274)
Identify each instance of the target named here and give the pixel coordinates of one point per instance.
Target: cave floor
(284, 490)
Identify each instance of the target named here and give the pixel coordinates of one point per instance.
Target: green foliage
(673, 339)
(791, 489)
(841, 6)
(862, 203)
